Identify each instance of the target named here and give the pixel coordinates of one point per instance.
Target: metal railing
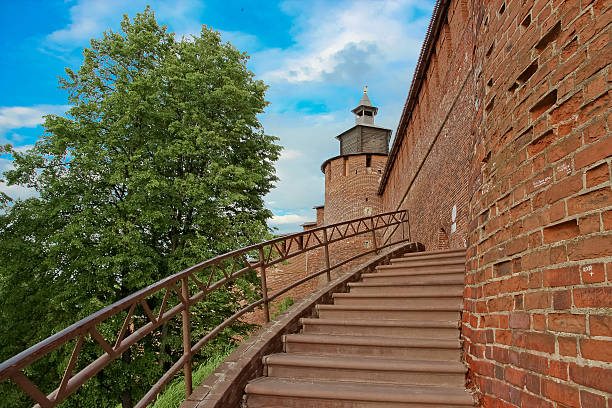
(388, 228)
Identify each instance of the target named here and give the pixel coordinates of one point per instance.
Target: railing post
(374, 235)
(326, 254)
(264, 285)
(186, 338)
(407, 222)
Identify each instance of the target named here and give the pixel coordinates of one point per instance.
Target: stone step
(448, 261)
(452, 302)
(435, 254)
(374, 346)
(266, 392)
(365, 369)
(421, 269)
(383, 328)
(399, 277)
(435, 312)
(441, 289)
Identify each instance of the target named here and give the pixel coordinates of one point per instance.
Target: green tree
(160, 163)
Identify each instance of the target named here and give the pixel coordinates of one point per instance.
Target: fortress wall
(514, 128)
(430, 173)
(351, 193)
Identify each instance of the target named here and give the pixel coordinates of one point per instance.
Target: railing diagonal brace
(125, 325)
(31, 389)
(68, 372)
(95, 334)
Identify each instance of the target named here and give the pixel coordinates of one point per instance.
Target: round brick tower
(352, 178)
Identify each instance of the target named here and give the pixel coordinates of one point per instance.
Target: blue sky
(316, 56)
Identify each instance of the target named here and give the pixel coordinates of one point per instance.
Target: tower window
(368, 113)
(346, 166)
(369, 160)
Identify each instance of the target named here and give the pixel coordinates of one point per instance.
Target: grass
(282, 306)
(174, 394)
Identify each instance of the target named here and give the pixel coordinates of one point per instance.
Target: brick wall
(350, 187)
(431, 170)
(513, 127)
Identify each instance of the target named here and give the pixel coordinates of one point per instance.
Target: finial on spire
(365, 111)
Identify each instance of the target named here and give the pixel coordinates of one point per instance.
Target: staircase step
(435, 254)
(374, 346)
(420, 269)
(414, 290)
(383, 328)
(453, 302)
(279, 392)
(365, 369)
(459, 260)
(399, 277)
(434, 312)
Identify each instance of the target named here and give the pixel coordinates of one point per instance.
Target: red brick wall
(431, 171)
(351, 192)
(514, 128)
(350, 187)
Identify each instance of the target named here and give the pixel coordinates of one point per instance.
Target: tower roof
(365, 100)
(365, 111)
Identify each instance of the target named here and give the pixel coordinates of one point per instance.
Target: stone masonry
(505, 144)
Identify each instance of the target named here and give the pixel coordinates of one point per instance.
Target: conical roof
(365, 101)
(365, 104)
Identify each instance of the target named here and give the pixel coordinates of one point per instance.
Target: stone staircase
(392, 341)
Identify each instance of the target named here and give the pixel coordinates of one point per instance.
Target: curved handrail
(233, 265)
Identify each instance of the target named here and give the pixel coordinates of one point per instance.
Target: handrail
(232, 265)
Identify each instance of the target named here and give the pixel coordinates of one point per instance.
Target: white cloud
(14, 191)
(290, 154)
(90, 18)
(347, 39)
(15, 117)
(288, 219)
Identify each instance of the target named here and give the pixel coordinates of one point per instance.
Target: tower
(352, 177)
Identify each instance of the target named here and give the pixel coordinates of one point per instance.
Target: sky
(316, 57)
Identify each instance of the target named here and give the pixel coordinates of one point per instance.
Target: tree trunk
(126, 395)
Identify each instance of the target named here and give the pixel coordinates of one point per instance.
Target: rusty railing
(388, 228)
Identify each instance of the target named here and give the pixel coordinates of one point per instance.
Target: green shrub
(174, 394)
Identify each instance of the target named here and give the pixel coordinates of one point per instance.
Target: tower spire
(365, 111)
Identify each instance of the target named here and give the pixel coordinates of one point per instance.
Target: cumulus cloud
(15, 117)
(290, 154)
(90, 18)
(15, 191)
(288, 219)
(347, 38)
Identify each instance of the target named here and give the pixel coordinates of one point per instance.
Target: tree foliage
(160, 163)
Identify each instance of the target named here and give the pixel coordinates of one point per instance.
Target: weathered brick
(594, 108)
(568, 323)
(590, 247)
(600, 325)
(600, 350)
(562, 276)
(593, 153)
(593, 297)
(593, 273)
(567, 346)
(588, 399)
(537, 300)
(598, 175)
(562, 231)
(562, 393)
(593, 377)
